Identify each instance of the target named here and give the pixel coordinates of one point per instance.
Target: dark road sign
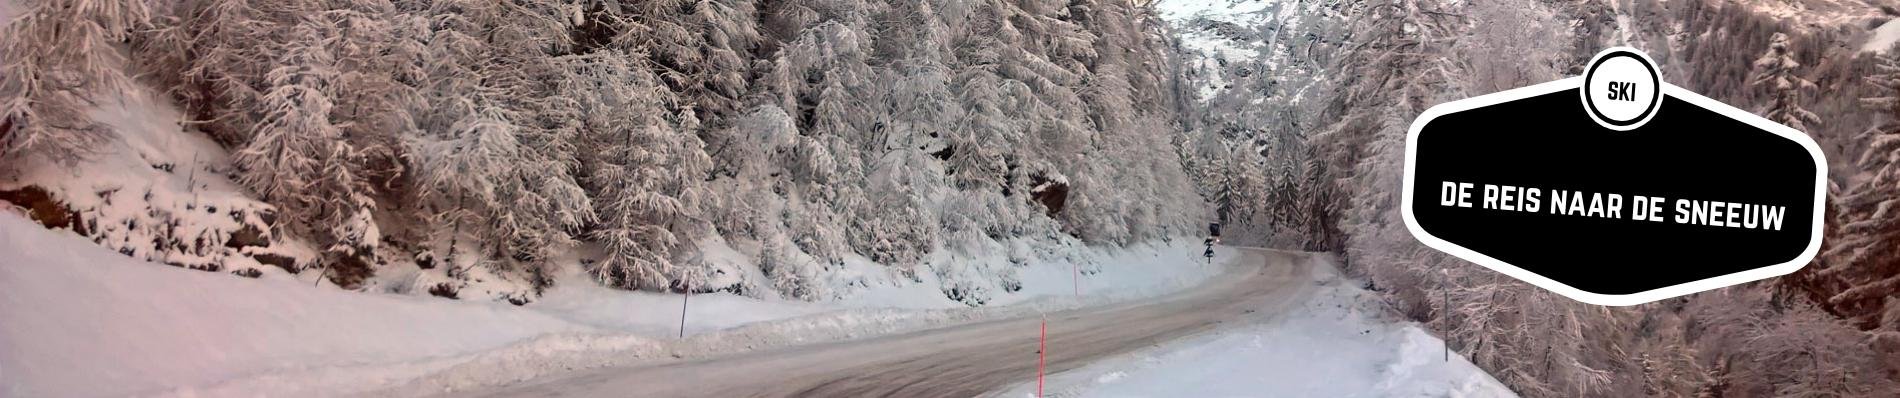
(1638, 192)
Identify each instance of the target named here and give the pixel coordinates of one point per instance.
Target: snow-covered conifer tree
(646, 175)
(56, 57)
(1777, 72)
(300, 159)
(286, 150)
(1243, 188)
(983, 136)
(1863, 255)
(468, 166)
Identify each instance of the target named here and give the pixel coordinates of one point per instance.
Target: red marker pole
(1042, 345)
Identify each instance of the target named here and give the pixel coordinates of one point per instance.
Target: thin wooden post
(683, 299)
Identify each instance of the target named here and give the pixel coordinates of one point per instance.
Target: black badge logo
(1639, 192)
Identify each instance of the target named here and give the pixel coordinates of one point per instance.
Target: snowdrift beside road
(1341, 342)
(80, 320)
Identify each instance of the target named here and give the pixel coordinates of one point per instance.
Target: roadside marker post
(683, 299)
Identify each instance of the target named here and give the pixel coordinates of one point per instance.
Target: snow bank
(1339, 343)
(80, 320)
(1883, 37)
(1098, 275)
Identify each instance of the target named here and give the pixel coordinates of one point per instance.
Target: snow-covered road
(960, 361)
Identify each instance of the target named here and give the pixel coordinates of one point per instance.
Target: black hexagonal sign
(1614, 188)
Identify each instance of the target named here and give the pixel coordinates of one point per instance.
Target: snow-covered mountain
(1238, 53)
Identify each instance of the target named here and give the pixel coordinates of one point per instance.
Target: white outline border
(1669, 90)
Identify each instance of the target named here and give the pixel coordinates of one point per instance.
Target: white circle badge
(1622, 89)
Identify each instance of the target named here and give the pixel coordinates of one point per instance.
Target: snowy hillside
(1252, 52)
(804, 150)
(155, 191)
(1883, 38)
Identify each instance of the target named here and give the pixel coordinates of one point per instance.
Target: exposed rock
(43, 208)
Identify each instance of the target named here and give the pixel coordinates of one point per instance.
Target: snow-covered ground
(1882, 38)
(1120, 274)
(77, 319)
(1341, 342)
(1825, 14)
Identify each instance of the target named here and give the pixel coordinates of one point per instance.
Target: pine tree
(645, 178)
(56, 57)
(471, 166)
(1242, 189)
(1777, 72)
(701, 44)
(983, 135)
(287, 148)
(894, 224)
(1862, 253)
(299, 158)
(214, 57)
(500, 135)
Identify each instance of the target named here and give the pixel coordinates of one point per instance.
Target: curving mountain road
(958, 361)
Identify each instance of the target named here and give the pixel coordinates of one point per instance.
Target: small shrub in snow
(966, 293)
(517, 299)
(347, 271)
(425, 259)
(444, 290)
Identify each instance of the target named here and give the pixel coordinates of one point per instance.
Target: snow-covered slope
(1882, 38)
(1245, 53)
(1823, 14)
(1340, 342)
(156, 191)
(80, 320)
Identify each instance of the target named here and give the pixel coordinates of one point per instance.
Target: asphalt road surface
(958, 361)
